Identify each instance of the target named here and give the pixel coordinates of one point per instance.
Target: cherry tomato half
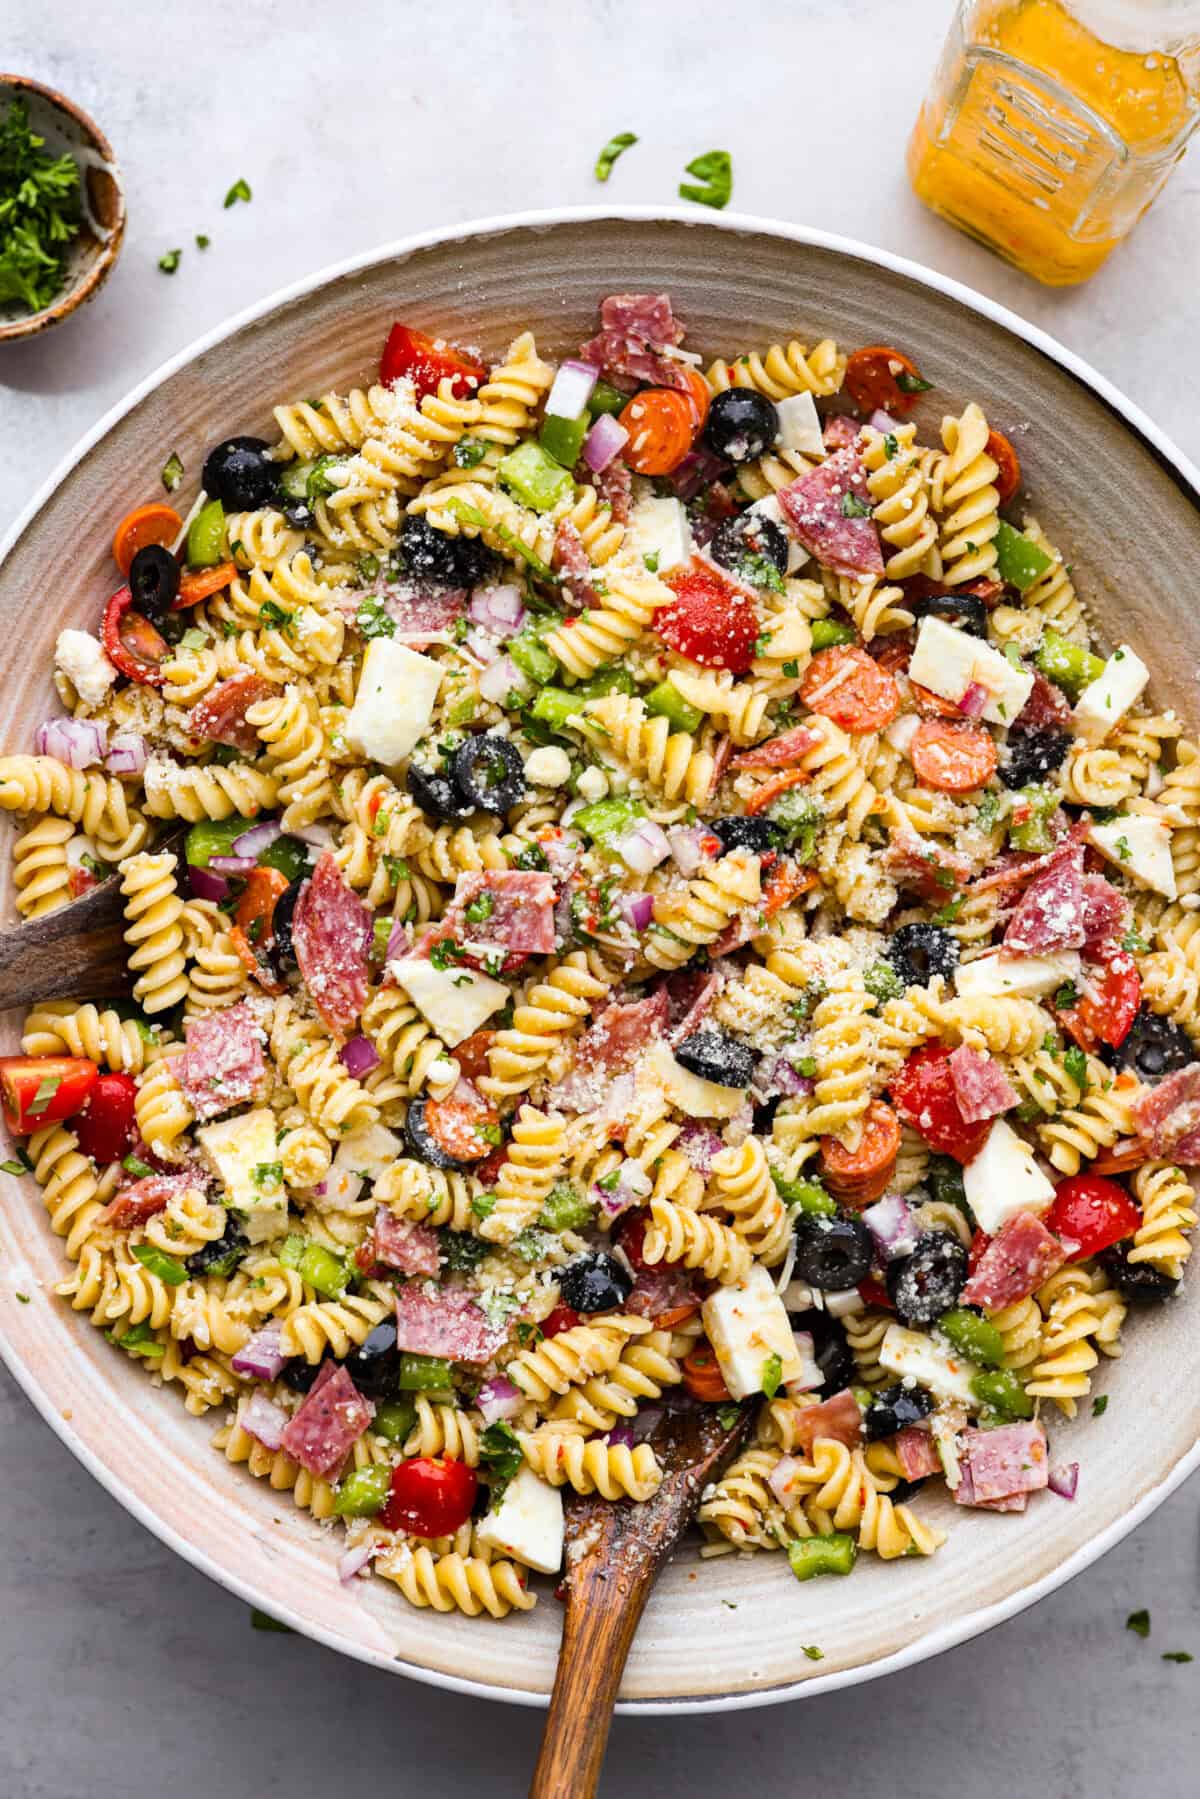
(430, 1496)
(105, 1124)
(130, 641)
(41, 1090)
(923, 1094)
(880, 376)
(427, 362)
(1107, 1008)
(1089, 1213)
(561, 1319)
(709, 620)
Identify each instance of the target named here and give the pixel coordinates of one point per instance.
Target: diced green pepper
(206, 535)
(554, 706)
(810, 1196)
(364, 1492)
(165, 1268)
(946, 1182)
(320, 1268)
(563, 438)
(566, 1209)
(797, 816)
(607, 398)
(424, 1373)
(666, 701)
(613, 678)
(380, 938)
(1067, 664)
(289, 855)
(534, 478)
(607, 819)
(293, 479)
(1019, 560)
(972, 1336)
(291, 1251)
(533, 659)
(1029, 824)
(810, 1556)
(1003, 1394)
(881, 980)
(394, 1420)
(826, 632)
(213, 837)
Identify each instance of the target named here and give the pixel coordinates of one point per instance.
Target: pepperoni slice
(459, 1122)
(859, 1176)
(661, 423)
(770, 790)
(472, 1054)
(1007, 462)
(952, 758)
(873, 377)
(702, 1375)
(849, 687)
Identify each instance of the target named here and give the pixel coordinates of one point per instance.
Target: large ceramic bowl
(1122, 503)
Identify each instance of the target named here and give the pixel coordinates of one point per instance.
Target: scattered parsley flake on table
(40, 212)
(1100, 1406)
(813, 1653)
(1139, 1623)
(169, 261)
(1177, 1655)
(239, 191)
(202, 240)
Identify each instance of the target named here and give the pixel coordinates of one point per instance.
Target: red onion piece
(572, 389)
(631, 1188)
(262, 1357)
(604, 443)
(206, 885)
(354, 1561)
(232, 865)
(699, 1145)
(643, 847)
(399, 942)
(498, 1398)
(882, 421)
(79, 742)
(621, 1436)
(318, 837)
(891, 1224)
(498, 610)
(561, 850)
(128, 753)
(638, 909)
(259, 837)
(973, 701)
(499, 679)
(684, 843)
(1064, 1479)
(784, 1077)
(359, 1056)
(781, 1478)
(810, 1376)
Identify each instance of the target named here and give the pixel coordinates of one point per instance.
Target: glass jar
(1050, 127)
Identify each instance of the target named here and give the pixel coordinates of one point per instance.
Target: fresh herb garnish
(469, 452)
(1139, 1623)
(275, 616)
(40, 212)
(169, 261)
(1100, 1406)
(853, 507)
(373, 619)
(480, 909)
(912, 384)
(812, 1652)
(616, 146)
(728, 1415)
(1065, 997)
(239, 191)
(715, 170)
(1177, 1655)
(135, 1166)
(1075, 1063)
(202, 240)
(772, 1376)
(172, 472)
(46, 1090)
(12, 1167)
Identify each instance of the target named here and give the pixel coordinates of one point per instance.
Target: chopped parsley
(1066, 997)
(1075, 1063)
(239, 191)
(1100, 1406)
(140, 1341)
(373, 619)
(890, 446)
(275, 616)
(46, 1090)
(40, 212)
(772, 1376)
(202, 240)
(912, 384)
(23, 1299)
(135, 1166)
(791, 669)
(813, 1653)
(616, 146)
(1139, 1623)
(367, 566)
(714, 174)
(445, 953)
(1123, 849)
(268, 1174)
(497, 1306)
(480, 908)
(1177, 1655)
(12, 1167)
(761, 572)
(651, 559)
(172, 472)
(853, 507)
(169, 261)
(728, 1415)
(1134, 943)
(469, 452)
(500, 1454)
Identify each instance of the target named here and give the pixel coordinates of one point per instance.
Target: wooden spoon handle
(603, 1613)
(76, 952)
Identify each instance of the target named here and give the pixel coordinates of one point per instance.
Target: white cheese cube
(1017, 977)
(368, 1151)
(902, 730)
(948, 661)
(592, 785)
(548, 766)
(659, 528)
(81, 658)
(1142, 847)
(242, 1154)
(690, 1092)
(800, 425)
(1105, 701)
(394, 702)
(911, 1355)
(455, 1000)
(1004, 1179)
(747, 1325)
(770, 508)
(528, 1523)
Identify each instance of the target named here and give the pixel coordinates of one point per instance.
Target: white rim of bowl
(932, 1642)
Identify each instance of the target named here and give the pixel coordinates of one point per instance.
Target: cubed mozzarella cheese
(799, 425)
(659, 527)
(548, 766)
(747, 1325)
(770, 508)
(455, 1000)
(1105, 701)
(1018, 977)
(902, 730)
(1142, 847)
(242, 1154)
(690, 1092)
(948, 661)
(527, 1524)
(911, 1355)
(1004, 1179)
(368, 1151)
(394, 702)
(592, 785)
(81, 658)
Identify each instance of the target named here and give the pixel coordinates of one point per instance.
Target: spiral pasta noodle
(152, 908)
(592, 1466)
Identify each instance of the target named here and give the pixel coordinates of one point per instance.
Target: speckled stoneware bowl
(93, 252)
(1121, 502)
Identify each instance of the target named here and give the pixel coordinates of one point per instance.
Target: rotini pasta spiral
(1168, 1203)
(592, 1466)
(536, 1154)
(153, 908)
(965, 497)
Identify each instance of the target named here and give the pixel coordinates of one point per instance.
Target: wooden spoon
(77, 952)
(613, 1555)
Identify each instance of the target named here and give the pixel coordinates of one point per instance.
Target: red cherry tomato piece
(979, 1243)
(848, 686)
(873, 376)
(709, 620)
(874, 1293)
(256, 908)
(472, 1054)
(1007, 462)
(41, 1090)
(952, 758)
(1089, 1213)
(630, 1237)
(923, 1094)
(427, 362)
(1107, 1008)
(430, 1496)
(105, 1125)
(130, 641)
(561, 1319)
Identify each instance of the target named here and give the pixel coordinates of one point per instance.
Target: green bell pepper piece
(666, 701)
(1003, 1394)
(563, 438)
(810, 1196)
(288, 855)
(533, 659)
(394, 1420)
(164, 1267)
(363, 1493)
(607, 819)
(1067, 664)
(555, 705)
(206, 535)
(607, 398)
(613, 678)
(534, 478)
(321, 1269)
(1032, 833)
(826, 632)
(810, 1556)
(212, 838)
(566, 1209)
(1019, 560)
(424, 1373)
(972, 1336)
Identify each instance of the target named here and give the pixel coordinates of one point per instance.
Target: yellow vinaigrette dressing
(1047, 141)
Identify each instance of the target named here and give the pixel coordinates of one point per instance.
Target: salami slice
(332, 932)
(1169, 1114)
(444, 1321)
(412, 1248)
(1104, 915)
(573, 562)
(1019, 1259)
(140, 1200)
(917, 1453)
(1051, 913)
(779, 752)
(830, 512)
(635, 331)
(333, 1417)
(505, 909)
(980, 1085)
(223, 1064)
(1007, 1462)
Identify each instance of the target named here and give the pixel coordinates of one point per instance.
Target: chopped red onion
(646, 1421)
(499, 679)
(784, 1077)
(354, 1561)
(810, 1376)
(79, 742)
(206, 885)
(882, 421)
(561, 850)
(643, 846)
(262, 1356)
(232, 865)
(782, 1477)
(318, 837)
(1064, 1479)
(604, 443)
(698, 1145)
(891, 1224)
(482, 644)
(128, 753)
(499, 610)
(699, 469)
(638, 909)
(572, 389)
(359, 1056)
(740, 1125)
(498, 1398)
(685, 843)
(621, 1436)
(630, 1188)
(259, 837)
(973, 701)
(400, 941)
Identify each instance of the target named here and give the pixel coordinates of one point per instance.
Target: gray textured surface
(121, 1670)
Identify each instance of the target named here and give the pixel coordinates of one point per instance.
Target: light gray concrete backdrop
(123, 1672)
